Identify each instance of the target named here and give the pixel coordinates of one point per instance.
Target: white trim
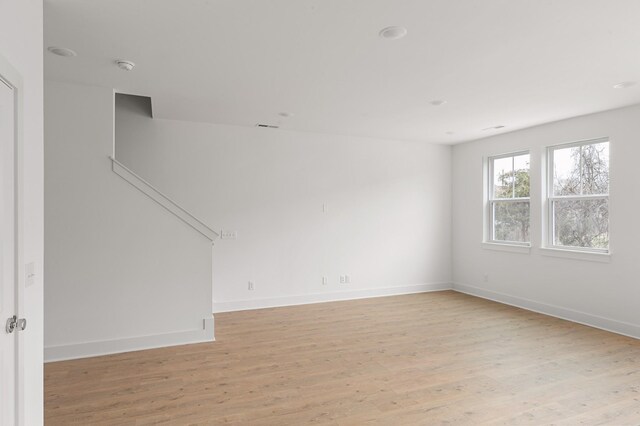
(510, 154)
(128, 344)
(593, 256)
(12, 78)
(603, 323)
(512, 248)
(166, 202)
(581, 142)
(305, 299)
(113, 125)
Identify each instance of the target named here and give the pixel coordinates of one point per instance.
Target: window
(509, 199)
(578, 196)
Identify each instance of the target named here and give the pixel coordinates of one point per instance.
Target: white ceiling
(515, 63)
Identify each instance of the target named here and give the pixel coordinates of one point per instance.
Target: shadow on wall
(134, 104)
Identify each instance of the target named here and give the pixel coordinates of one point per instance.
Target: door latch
(14, 323)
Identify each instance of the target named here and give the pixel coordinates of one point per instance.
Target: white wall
(21, 45)
(606, 295)
(122, 273)
(387, 219)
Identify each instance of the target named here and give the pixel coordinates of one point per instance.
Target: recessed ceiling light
(285, 114)
(624, 85)
(62, 51)
(438, 102)
(125, 65)
(393, 33)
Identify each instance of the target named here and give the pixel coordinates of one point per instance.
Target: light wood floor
(424, 359)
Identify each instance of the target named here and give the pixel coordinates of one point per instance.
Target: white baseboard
(107, 347)
(607, 324)
(243, 305)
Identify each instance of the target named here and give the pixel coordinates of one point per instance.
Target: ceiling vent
(267, 126)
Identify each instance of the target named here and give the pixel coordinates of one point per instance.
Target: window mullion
(493, 221)
(581, 165)
(579, 197)
(513, 176)
(511, 200)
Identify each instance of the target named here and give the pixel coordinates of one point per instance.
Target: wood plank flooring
(423, 359)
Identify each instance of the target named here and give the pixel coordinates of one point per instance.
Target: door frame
(12, 77)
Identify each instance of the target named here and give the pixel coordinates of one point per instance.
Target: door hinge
(15, 323)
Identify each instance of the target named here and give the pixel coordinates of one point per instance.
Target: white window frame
(490, 209)
(551, 198)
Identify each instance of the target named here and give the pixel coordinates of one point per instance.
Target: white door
(8, 341)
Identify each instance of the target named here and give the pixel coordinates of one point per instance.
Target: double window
(577, 197)
(578, 200)
(509, 207)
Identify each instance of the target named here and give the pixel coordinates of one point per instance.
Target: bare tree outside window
(579, 199)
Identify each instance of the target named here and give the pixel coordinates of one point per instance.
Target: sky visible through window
(568, 178)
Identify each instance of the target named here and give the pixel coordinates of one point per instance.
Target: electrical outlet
(347, 279)
(343, 279)
(228, 235)
(250, 287)
(325, 281)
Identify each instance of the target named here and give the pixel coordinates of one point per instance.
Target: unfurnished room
(292, 212)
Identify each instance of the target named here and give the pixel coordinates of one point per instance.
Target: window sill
(576, 254)
(512, 248)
